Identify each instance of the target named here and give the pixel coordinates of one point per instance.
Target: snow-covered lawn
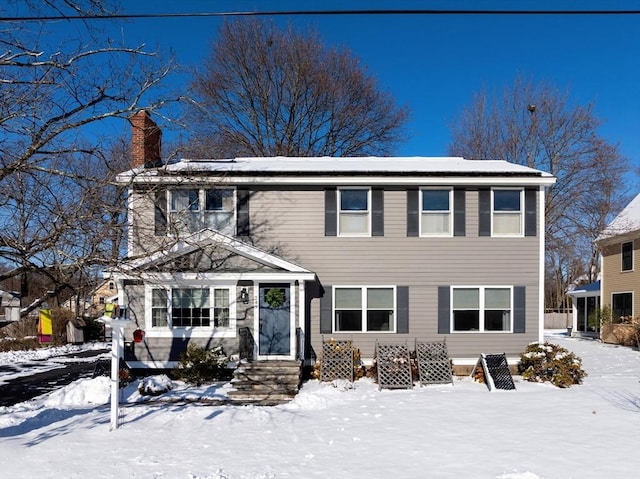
(332, 431)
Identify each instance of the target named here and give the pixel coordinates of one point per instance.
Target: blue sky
(434, 64)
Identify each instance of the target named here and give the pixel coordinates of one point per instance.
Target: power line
(132, 16)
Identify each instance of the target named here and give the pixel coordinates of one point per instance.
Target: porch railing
(299, 344)
(247, 344)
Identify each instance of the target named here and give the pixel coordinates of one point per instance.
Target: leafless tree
(60, 85)
(536, 125)
(266, 91)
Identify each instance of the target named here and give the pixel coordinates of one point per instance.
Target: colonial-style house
(269, 256)
(619, 245)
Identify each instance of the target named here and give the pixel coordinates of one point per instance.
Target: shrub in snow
(542, 362)
(198, 365)
(155, 385)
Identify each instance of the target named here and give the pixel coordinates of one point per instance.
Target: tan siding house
(270, 256)
(619, 245)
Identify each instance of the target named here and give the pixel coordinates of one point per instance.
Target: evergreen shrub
(547, 362)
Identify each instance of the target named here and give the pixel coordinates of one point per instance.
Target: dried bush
(198, 365)
(542, 362)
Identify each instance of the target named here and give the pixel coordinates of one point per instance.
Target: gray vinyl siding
(290, 222)
(294, 220)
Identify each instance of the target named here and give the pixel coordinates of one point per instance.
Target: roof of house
(355, 166)
(626, 222)
(585, 289)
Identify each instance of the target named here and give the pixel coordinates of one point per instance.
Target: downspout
(541, 252)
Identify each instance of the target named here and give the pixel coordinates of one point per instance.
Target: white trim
(541, 262)
(364, 308)
(472, 179)
(481, 309)
(421, 212)
(273, 277)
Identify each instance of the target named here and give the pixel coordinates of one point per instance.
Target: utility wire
(317, 12)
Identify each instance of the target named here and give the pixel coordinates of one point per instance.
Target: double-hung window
(436, 216)
(354, 218)
(627, 256)
(482, 308)
(507, 212)
(194, 209)
(364, 309)
(191, 308)
(185, 210)
(219, 210)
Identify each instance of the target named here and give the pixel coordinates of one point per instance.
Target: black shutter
(519, 315)
(402, 299)
(160, 213)
(377, 212)
(459, 210)
(413, 221)
(243, 228)
(444, 310)
(530, 217)
(484, 212)
(326, 311)
(330, 212)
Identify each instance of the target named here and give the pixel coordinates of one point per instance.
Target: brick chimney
(146, 138)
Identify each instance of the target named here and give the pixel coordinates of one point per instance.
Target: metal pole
(117, 347)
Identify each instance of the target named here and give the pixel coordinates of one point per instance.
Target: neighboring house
(9, 307)
(585, 309)
(93, 305)
(619, 246)
(269, 256)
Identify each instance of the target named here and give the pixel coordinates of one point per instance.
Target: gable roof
(206, 237)
(303, 169)
(627, 221)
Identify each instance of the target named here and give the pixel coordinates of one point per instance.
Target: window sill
(190, 333)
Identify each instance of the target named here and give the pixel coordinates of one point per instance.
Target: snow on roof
(627, 221)
(342, 166)
(371, 164)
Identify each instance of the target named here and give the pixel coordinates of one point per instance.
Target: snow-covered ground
(333, 431)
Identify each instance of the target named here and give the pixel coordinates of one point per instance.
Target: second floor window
(436, 216)
(192, 210)
(507, 213)
(353, 214)
(627, 256)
